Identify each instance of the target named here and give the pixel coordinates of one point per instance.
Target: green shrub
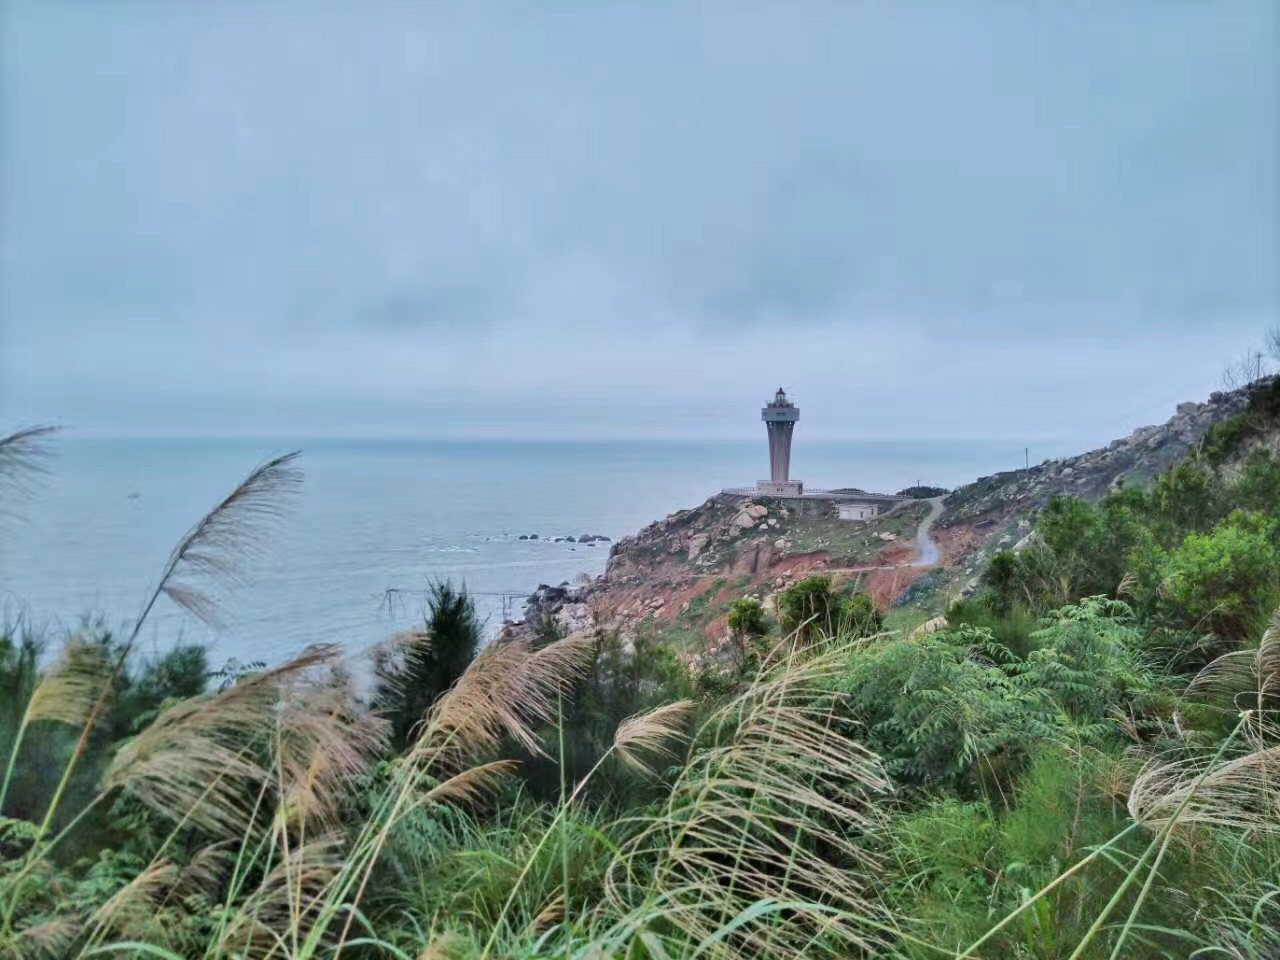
(814, 611)
(1223, 583)
(937, 707)
(746, 618)
(1087, 659)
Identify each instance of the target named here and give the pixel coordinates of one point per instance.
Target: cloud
(325, 217)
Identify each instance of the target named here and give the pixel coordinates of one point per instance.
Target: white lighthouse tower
(780, 416)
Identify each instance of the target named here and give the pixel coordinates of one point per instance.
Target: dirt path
(927, 554)
(926, 549)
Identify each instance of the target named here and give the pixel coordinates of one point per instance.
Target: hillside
(679, 574)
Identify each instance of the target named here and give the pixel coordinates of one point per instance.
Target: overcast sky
(1010, 220)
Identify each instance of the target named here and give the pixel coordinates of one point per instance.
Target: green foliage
(1197, 553)
(1019, 740)
(957, 709)
(1011, 628)
(940, 711)
(746, 618)
(412, 676)
(1222, 584)
(1079, 550)
(1087, 659)
(1257, 487)
(923, 492)
(1225, 439)
(814, 611)
(860, 617)
(1188, 498)
(961, 866)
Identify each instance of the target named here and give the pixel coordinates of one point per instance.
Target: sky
(956, 219)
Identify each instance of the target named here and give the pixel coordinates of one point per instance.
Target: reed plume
(470, 784)
(209, 559)
(1238, 790)
(131, 911)
(203, 565)
(48, 939)
(66, 691)
(325, 744)
(65, 694)
(647, 737)
(197, 761)
(508, 690)
(763, 846)
(22, 458)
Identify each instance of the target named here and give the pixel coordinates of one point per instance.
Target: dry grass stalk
(507, 691)
(775, 810)
(287, 903)
(68, 689)
(51, 938)
(196, 760)
(209, 558)
(652, 734)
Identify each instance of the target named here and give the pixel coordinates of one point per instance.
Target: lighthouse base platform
(780, 488)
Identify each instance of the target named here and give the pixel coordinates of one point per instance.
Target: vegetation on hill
(1079, 760)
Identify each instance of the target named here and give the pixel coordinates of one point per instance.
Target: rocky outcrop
(566, 605)
(1135, 459)
(683, 570)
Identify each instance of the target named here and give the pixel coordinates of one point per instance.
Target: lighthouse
(780, 416)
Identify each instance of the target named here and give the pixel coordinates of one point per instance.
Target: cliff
(678, 575)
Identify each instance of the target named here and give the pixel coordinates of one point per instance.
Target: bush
(935, 707)
(1011, 629)
(1225, 582)
(814, 611)
(746, 619)
(1087, 660)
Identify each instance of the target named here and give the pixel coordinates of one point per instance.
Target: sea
(375, 522)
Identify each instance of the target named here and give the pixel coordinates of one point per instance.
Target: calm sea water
(374, 517)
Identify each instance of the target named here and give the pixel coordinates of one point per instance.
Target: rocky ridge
(681, 572)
